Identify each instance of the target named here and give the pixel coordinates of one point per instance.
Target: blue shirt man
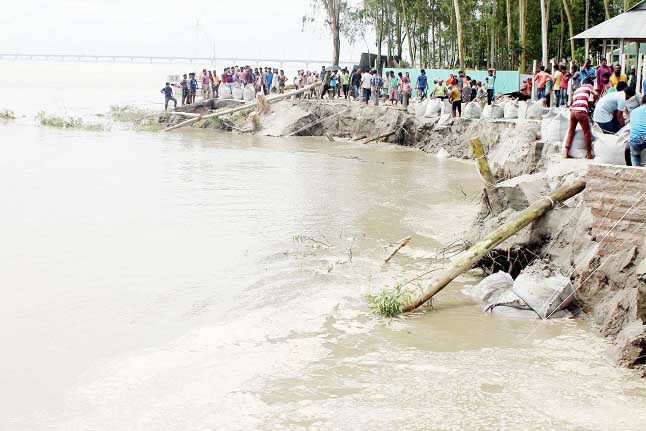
(422, 83)
(269, 77)
(638, 133)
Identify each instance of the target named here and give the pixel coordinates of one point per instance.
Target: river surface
(199, 281)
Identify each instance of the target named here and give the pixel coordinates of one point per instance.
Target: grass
(389, 302)
(7, 114)
(140, 118)
(45, 119)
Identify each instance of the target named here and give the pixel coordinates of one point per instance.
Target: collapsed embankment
(595, 239)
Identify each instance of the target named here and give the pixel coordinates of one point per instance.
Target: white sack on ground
(237, 92)
(510, 110)
(249, 93)
(444, 121)
(493, 111)
(420, 108)
(610, 148)
(577, 149)
(544, 289)
(472, 111)
(534, 110)
(483, 290)
(225, 92)
(447, 108)
(433, 108)
(554, 126)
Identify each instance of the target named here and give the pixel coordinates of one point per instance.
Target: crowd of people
(361, 84)
(604, 96)
(552, 85)
(265, 80)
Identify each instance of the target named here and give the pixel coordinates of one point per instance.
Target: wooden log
(486, 175)
(243, 107)
(401, 244)
(469, 258)
(382, 136)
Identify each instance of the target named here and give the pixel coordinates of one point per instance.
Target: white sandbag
(420, 108)
(493, 111)
(544, 289)
(447, 108)
(433, 108)
(249, 93)
(472, 110)
(610, 148)
(483, 290)
(534, 110)
(510, 110)
(224, 92)
(411, 108)
(578, 149)
(522, 109)
(237, 92)
(554, 126)
(445, 120)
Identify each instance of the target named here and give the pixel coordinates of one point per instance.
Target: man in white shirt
(609, 111)
(365, 86)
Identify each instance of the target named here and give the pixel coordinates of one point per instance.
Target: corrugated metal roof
(629, 25)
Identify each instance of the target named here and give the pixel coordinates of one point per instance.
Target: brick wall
(610, 193)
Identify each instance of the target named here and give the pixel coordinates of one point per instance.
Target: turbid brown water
(210, 281)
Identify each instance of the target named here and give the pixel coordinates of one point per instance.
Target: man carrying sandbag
(638, 133)
(609, 112)
(581, 102)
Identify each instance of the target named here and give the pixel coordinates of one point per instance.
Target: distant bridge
(233, 60)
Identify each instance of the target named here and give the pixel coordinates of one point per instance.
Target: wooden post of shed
(533, 83)
(639, 71)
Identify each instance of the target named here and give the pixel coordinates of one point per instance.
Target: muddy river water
(201, 281)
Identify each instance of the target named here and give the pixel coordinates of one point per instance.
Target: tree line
(507, 34)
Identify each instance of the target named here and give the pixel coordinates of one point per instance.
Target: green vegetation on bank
(7, 114)
(68, 122)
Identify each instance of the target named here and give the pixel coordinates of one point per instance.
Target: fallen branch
(401, 244)
(385, 135)
(466, 261)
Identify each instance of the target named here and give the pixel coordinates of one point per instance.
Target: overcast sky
(255, 28)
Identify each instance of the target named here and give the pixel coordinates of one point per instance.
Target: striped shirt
(581, 98)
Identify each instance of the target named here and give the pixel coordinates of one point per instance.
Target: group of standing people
(604, 79)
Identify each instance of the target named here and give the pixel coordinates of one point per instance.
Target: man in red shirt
(581, 101)
(541, 81)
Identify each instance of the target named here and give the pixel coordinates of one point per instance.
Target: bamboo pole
(243, 107)
(466, 261)
(400, 244)
(486, 175)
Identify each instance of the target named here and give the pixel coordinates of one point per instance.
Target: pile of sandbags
(224, 92)
(472, 110)
(510, 110)
(420, 108)
(493, 111)
(433, 108)
(237, 92)
(249, 93)
(539, 291)
(554, 126)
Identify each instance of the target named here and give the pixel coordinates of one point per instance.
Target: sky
(254, 28)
